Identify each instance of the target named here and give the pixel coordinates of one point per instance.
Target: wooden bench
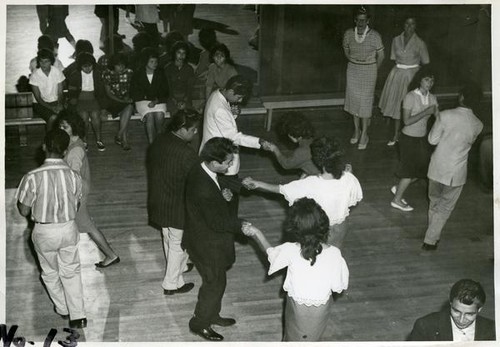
(271, 103)
(19, 112)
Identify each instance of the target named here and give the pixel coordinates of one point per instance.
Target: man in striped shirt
(51, 194)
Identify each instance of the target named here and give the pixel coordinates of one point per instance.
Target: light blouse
(416, 103)
(310, 285)
(335, 196)
(414, 53)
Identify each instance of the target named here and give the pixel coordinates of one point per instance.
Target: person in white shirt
(335, 189)
(460, 320)
(47, 87)
(219, 120)
(315, 270)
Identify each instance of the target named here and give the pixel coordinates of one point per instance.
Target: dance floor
(391, 281)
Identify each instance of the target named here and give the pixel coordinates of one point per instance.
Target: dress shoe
(184, 289)
(391, 143)
(224, 322)
(362, 146)
(208, 334)
(354, 140)
(404, 208)
(190, 267)
(428, 247)
(78, 323)
(394, 190)
(103, 265)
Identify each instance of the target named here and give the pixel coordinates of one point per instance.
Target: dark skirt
(87, 102)
(43, 111)
(414, 157)
(115, 107)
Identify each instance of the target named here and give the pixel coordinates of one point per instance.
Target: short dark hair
(56, 141)
(327, 155)
(117, 59)
(472, 94)
(220, 47)
(148, 53)
(84, 59)
(217, 148)
(45, 53)
(179, 45)
(295, 124)
(207, 38)
(359, 10)
(45, 41)
(184, 119)
(117, 44)
(468, 292)
(423, 72)
(171, 38)
(83, 46)
(141, 40)
(74, 120)
(308, 223)
(240, 85)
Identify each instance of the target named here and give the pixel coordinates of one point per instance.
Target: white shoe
(391, 143)
(393, 191)
(405, 208)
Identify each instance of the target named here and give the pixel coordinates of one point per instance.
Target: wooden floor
(391, 283)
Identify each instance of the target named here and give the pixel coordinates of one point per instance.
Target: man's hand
(227, 194)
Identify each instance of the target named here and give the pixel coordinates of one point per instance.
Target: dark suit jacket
(169, 160)
(141, 89)
(210, 227)
(437, 327)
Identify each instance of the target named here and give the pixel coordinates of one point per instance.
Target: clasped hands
(249, 183)
(248, 229)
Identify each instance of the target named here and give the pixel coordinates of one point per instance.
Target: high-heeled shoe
(362, 146)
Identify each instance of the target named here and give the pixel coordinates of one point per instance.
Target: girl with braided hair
(315, 269)
(335, 189)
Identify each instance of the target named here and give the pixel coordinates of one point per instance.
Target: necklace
(362, 38)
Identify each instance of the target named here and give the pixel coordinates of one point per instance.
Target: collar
(461, 333)
(54, 160)
(210, 173)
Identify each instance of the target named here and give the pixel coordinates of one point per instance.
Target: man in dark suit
(169, 160)
(209, 233)
(459, 321)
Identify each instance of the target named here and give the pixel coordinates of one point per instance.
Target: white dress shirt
(219, 121)
(210, 173)
(466, 334)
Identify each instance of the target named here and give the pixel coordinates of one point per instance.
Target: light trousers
(442, 201)
(176, 258)
(56, 245)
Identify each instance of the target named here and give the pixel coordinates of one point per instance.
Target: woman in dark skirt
(87, 94)
(418, 105)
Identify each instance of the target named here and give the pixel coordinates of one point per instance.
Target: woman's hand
(249, 230)
(152, 104)
(249, 183)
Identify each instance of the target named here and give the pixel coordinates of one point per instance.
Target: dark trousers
(210, 296)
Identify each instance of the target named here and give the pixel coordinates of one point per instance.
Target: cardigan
(141, 89)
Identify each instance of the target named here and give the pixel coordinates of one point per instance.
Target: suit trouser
(56, 245)
(210, 296)
(442, 201)
(176, 258)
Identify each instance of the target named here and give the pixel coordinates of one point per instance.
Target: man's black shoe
(190, 267)
(224, 322)
(78, 323)
(428, 247)
(208, 334)
(184, 289)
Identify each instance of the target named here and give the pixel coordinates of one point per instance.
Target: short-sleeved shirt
(48, 85)
(306, 284)
(415, 52)
(335, 196)
(416, 102)
(52, 191)
(366, 51)
(119, 83)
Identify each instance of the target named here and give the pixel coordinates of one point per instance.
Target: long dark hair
(74, 120)
(308, 224)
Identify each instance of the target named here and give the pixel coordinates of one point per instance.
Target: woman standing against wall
(409, 52)
(365, 52)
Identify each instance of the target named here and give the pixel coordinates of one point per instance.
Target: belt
(362, 63)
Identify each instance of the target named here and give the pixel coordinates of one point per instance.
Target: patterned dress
(408, 60)
(361, 72)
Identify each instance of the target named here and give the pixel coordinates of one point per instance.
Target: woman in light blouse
(315, 270)
(409, 52)
(364, 51)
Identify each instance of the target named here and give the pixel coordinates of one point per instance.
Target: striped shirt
(52, 191)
